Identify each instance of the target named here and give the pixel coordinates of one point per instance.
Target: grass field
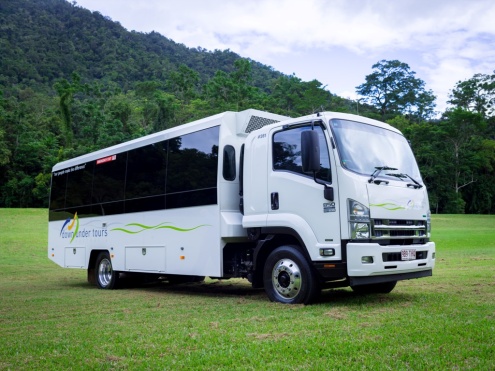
(50, 318)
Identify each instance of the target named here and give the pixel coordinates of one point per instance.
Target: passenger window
(79, 185)
(58, 189)
(193, 161)
(146, 171)
(109, 178)
(192, 169)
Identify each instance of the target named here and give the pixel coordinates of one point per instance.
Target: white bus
(293, 205)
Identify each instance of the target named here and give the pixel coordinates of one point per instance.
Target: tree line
(75, 81)
(456, 153)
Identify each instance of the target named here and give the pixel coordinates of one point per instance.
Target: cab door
(296, 201)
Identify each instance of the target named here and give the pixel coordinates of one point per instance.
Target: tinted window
(193, 161)
(229, 162)
(179, 172)
(79, 185)
(146, 171)
(109, 179)
(287, 152)
(57, 194)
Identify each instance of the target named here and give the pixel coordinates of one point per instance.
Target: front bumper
(386, 260)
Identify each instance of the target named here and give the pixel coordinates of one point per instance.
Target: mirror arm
(328, 191)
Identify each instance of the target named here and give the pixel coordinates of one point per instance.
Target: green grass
(50, 318)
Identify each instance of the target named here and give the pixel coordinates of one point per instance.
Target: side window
(145, 179)
(108, 184)
(287, 152)
(58, 188)
(229, 162)
(192, 169)
(146, 171)
(79, 185)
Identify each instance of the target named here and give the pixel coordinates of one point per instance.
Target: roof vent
(256, 122)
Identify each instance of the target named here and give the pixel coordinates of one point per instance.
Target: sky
(333, 41)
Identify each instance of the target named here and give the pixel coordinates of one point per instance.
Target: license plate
(408, 254)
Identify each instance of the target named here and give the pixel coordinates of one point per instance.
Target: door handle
(274, 200)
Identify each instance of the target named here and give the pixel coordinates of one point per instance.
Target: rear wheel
(105, 276)
(288, 278)
(375, 288)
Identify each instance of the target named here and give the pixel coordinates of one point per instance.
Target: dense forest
(73, 81)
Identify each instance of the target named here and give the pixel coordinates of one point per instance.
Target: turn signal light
(327, 252)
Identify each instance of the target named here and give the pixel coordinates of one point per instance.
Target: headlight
(358, 212)
(359, 220)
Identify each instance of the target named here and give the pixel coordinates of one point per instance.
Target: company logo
(72, 228)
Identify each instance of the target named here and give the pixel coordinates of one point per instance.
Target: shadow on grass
(217, 288)
(238, 288)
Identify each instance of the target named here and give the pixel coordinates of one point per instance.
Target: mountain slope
(44, 40)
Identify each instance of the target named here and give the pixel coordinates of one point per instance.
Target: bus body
(293, 205)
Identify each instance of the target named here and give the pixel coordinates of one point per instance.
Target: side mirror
(310, 151)
(310, 158)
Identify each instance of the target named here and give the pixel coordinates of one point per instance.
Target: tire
(375, 288)
(288, 278)
(106, 278)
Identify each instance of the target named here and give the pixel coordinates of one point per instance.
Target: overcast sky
(333, 41)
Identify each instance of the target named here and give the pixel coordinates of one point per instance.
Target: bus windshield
(363, 148)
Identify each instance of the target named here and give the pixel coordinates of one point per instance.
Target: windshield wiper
(377, 172)
(401, 176)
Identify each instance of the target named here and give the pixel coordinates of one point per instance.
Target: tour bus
(294, 205)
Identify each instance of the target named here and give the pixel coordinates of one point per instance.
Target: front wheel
(105, 276)
(288, 278)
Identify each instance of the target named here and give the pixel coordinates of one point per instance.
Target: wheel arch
(274, 237)
(271, 238)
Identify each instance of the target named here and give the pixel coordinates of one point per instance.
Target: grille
(398, 229)
(256, 122)
(396, 256)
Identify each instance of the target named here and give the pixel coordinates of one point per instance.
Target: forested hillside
(73, 81)
(44, 40)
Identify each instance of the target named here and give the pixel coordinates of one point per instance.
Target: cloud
(444, 40)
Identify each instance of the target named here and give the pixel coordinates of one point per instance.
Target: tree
(66, 91)
(233, 91)
(476, 94)
(295, 97)
(4, 148)
(184, 83)
(392, 88)
(459, 133)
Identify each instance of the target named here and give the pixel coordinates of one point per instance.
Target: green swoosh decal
(153, 227)
(182, 229)
(125, 230)
(389, 206)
